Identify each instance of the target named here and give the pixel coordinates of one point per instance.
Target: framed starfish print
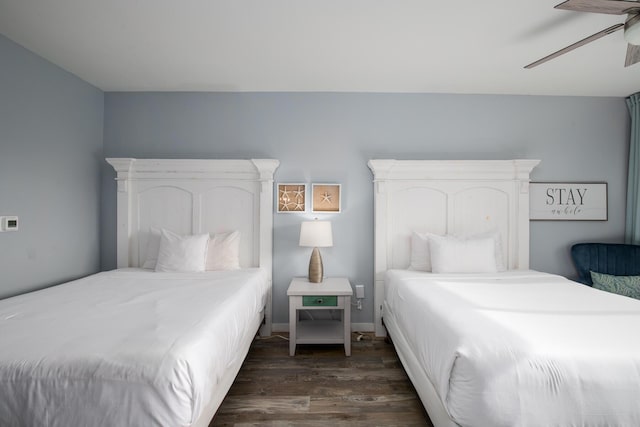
(292, 198)
(325, 198)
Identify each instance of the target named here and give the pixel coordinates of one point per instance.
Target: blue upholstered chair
(607, 258)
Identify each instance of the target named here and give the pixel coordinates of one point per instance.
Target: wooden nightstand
(332, 293)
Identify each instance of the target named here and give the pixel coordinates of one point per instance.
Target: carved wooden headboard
(447, 197)
(191, 196)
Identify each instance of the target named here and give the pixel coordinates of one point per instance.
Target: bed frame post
(123, 168)
(380, 169)
(266, 169)
(523, 169)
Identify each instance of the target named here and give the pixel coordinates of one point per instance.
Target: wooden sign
(576, 201)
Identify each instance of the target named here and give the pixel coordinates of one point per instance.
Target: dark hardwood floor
(321, 387)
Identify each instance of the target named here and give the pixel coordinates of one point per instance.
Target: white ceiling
(324, 45)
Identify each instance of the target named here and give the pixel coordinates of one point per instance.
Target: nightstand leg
(293, 324)
(347, 326)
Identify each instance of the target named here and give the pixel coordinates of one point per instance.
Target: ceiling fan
(611, 7)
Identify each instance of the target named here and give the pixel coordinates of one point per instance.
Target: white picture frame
(326, 198)
(568, 201)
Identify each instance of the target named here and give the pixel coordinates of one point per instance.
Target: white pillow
(224, 251)
(495, 235)
(182, 253)
(450, 254)
(420, 254)
(153, 246)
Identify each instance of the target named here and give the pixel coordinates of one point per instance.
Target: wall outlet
(359, 291)
(8, 223)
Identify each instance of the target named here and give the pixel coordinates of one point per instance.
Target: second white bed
(517, 348)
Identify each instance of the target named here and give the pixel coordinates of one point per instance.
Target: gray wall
(50, 157)
(328, 137)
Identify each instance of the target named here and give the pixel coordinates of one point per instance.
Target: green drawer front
(330, 301)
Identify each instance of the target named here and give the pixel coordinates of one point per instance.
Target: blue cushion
(629, 286)
(607, 258)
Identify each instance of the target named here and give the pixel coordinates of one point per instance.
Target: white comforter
(521, 348)
(124, 347)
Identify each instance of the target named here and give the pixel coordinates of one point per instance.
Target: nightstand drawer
(329, 301)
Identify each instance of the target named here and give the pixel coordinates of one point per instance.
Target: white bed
(509, 348)
(137, 347)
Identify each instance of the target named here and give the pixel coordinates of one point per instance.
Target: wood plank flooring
(321, 387)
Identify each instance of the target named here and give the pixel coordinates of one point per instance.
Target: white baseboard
(362, 327)
(355, 327)
(279, 327)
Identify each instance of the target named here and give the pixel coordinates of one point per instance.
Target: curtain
(632, 229)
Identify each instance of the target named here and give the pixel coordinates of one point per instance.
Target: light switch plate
(8, 223)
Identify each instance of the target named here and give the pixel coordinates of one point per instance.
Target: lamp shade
(316, 234)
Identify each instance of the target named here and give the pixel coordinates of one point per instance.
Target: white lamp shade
(316, 234)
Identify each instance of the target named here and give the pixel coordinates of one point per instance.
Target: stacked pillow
(480, 253)
(168, 251)
(628, 286)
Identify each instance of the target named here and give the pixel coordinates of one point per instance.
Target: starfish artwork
(291, 198)
(299, 193)
(284, 197)
(325, 198)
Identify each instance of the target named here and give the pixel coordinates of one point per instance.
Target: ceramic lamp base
(315, 267)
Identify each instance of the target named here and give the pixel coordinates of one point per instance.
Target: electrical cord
(272, 336)
(362, 336)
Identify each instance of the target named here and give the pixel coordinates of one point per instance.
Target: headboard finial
(123, 167)
(266, 169)
(380, 168)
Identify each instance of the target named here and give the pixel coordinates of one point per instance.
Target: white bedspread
(521, 348)
(125, 347)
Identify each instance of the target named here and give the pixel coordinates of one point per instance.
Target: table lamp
(316, 234)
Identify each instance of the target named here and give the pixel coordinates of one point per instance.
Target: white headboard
(447, 197)
(195, 196)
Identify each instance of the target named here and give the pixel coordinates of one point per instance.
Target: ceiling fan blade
(633, 55)
(612, 7)
(576, 45)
